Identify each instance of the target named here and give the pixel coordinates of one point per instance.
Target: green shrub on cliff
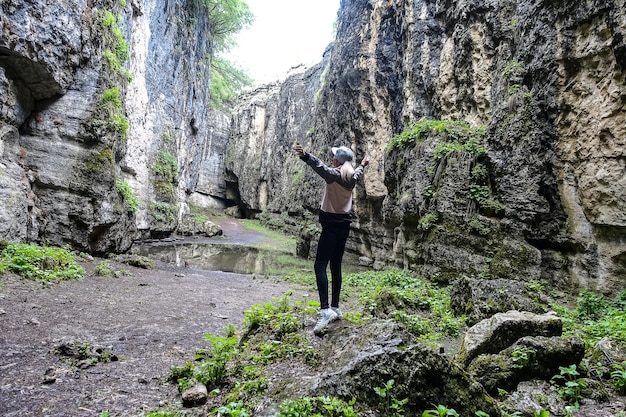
(459, 131)
(117, 47)
(40, 263)
(132, 204)
(166, 166)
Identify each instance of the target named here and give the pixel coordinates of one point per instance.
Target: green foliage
(440, 411)
(541, 413)
(163, 212)
(117, 52)
(209, 367)
(317, 407)
(390, 406)
(40, 263)
(444, 149)
(492, 206)
(226, 19)
(573, 388)
(103, 161)
(234, 409)
(104, 269)
(166, 166)
(417, 303)
(459, 131)
(164, 190)
(618, 377)
(513, 71)
(594, 318)
(591, 305)
(478, 193)
(109, 110)
(480, 174)
(131, 201)
(428, 191)
(521, 356)
(427, 221)
(227, 82)
(475, 225)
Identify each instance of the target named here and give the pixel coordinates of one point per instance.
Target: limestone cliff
(105, 120)
(521, 171)
(496, 132)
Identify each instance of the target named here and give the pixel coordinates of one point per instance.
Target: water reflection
(216, 257)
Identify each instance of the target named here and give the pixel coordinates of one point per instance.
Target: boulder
(502, 330)
(383, 350)
(532, 357)
(479, 299)
(195, 395)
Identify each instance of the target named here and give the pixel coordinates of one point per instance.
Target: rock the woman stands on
(335, 218)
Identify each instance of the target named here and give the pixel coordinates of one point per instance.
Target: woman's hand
(365, 161)
(299, 149)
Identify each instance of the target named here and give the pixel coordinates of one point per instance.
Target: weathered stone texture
(545, 80)
(53, 75)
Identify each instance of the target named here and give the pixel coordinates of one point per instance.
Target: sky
(285, 33)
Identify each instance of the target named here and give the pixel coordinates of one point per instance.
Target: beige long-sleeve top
(337, 197)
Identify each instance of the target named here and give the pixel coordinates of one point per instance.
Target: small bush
(40, 263)
(459, 131)
(131, 201)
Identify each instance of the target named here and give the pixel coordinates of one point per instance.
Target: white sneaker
(325, 316)
(337, 312)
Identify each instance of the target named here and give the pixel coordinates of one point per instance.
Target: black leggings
(330, 248)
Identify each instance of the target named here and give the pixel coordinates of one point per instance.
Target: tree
(226, 82)
(226, 19)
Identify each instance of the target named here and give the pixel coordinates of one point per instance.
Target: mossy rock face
(383, 350)
(490, 336)
(541, 359)
(479, 299)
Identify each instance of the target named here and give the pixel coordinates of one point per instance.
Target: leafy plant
(40, 263)
(427, 221)
(166, 166)
(317, 406)
(227, 81)
(478, 193)
(459, 131)
(234, 409)
(390, 406)
(590, 305)
(618, 377)
(109, 112)
(440, 411)
(104, 269)
(572, 391)
(129, 198)
(541, 413)
(521, 356)
(594, 318)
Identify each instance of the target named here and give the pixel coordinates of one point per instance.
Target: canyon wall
(495, 129)
(105, 120)
(521, 170)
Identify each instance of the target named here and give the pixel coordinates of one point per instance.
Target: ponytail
(347, 171)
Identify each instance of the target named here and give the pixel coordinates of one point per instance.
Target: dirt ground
(148, 320)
